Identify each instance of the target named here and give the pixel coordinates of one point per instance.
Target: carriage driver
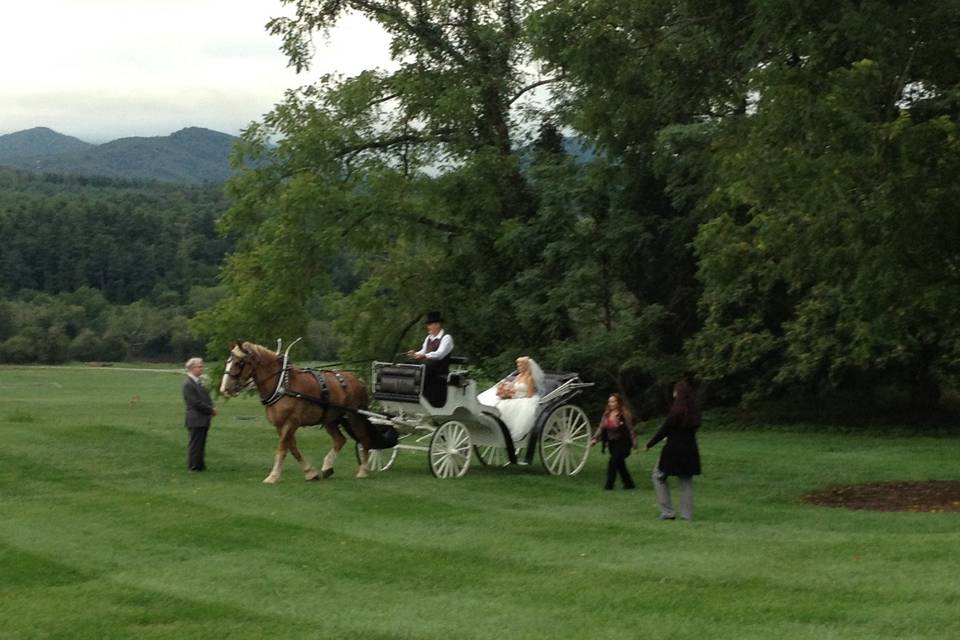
(435, 355)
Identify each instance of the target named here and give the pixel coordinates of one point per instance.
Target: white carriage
(463, 428)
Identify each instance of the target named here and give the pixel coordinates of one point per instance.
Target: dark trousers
(619, 450)
(435, 382)
(195, 448)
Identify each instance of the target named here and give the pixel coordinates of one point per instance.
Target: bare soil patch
(930, 496)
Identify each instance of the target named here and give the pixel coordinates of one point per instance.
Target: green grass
(104, 534)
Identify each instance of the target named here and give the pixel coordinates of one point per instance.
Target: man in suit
(199, 411)
(435, 355)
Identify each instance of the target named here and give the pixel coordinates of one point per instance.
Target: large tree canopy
(815, 146)
(833, 255)
(439, 185)
(769, 196)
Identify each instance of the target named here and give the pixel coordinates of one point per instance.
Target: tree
(410, 175)
(808, 148)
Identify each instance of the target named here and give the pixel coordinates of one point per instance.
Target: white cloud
(102, 69)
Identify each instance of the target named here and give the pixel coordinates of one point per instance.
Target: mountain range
(190, 156)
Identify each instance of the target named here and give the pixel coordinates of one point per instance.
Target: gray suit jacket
(199, 404)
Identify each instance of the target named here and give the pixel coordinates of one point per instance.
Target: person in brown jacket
(616, 432)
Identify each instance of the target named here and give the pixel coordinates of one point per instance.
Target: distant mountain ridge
(190, 156)
(39, 141)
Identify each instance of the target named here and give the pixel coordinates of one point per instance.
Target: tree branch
(386, 143)
(533, 86)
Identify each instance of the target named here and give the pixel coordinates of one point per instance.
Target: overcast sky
(106, 69)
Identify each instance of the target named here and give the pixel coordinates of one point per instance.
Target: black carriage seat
(398, 383)
(458, 379)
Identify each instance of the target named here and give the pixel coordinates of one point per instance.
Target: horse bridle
(244, 360)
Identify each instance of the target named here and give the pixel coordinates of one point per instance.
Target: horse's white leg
(274, 476)
(328, 460)
(326, 470)
(359, 427)
(364, 470)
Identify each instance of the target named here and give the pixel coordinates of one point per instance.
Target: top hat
(433, 316)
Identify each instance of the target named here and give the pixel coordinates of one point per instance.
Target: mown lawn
(104, 534)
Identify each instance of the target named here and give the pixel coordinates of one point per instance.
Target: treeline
(83, 326)
(771, 203)
(127, 240)
(102, 269)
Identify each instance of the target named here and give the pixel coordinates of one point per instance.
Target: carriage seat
(398, 383)
(458, 379)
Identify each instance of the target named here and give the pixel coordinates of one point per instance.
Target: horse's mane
(261, 352)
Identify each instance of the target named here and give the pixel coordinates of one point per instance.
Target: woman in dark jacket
(616, 432)
(680, 456)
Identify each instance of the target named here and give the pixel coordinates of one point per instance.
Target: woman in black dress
(680, 456)
(616, 431)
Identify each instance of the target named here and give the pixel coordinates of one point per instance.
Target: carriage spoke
(492, 456)
(555, 454)
(564, 443)
(450, 450)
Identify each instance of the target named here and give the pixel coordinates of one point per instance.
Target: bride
(517, 401)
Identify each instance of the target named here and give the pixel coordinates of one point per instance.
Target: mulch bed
(932, 496)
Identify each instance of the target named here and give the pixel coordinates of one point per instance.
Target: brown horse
(294, 398)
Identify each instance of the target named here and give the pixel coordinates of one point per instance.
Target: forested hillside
(94, 268)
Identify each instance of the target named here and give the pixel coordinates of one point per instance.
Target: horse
(295, 398)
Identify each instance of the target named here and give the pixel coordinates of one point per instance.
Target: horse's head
(238, 370)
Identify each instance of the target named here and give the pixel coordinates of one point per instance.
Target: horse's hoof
(312, 476)
(362, 474)
(270, 480)
(326, 473)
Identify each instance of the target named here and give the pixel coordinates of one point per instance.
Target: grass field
(104, 534)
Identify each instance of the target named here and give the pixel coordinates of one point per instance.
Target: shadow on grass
(21, 417)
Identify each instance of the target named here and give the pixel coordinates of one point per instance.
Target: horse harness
(323, 399)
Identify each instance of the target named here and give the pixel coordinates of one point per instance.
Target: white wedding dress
(518, 412)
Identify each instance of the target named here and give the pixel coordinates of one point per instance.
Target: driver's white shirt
(446, 346)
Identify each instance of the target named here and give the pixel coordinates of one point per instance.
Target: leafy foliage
(833, 260)
(127, 240)
(435, 183)
(97, 269)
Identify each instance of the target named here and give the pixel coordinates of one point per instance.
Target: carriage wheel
(450, 450)
(492, 456)
(565, 441)
(378, 459)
